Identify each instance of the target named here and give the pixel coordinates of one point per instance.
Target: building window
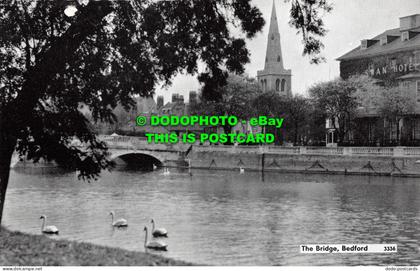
(393, 62)
(418, 91)
(405, 85)
(278, 59)
(278, 85)
(416, 57)
(405, 36)
(272, 37)
(283, 85)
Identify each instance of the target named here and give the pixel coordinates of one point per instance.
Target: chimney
(160, 102)
(174, 98)
(409, 22)
(193, 97)
(181, 99)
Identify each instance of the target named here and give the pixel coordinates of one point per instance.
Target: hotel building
(393, 58)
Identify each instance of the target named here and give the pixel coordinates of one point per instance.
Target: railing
(137, 143)
(372, 151)
(324, 151)
(411, 151)
(282, 150)
(141, 143)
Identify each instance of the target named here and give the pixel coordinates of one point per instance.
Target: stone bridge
(137, 151)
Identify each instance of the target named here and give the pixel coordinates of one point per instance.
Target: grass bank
(17, 248)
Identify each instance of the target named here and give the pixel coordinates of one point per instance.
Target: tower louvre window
(283, 85)
(278, 85)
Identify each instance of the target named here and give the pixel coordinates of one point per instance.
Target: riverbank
(395, 162)
(21, 249)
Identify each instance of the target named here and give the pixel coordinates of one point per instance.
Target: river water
(225, 218)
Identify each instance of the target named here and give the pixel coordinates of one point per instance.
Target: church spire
(274, 57)
(274, 77)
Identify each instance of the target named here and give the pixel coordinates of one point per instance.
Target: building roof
(146, 105)
(377, 49)
(274, 55)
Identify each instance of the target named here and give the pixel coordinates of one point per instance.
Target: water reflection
(227, 218)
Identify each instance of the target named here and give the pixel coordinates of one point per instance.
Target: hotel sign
(398, 68)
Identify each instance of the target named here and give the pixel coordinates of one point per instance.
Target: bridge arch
(138, 160)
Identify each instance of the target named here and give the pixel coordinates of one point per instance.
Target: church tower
(274, 77)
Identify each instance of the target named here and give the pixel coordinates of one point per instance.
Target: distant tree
(306, 17)
(316, 125)
(393, 104)
(339, 100)
(297, 110)
(270, 104)
(102, 57)
(235, 100)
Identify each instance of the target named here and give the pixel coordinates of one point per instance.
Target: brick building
(393, 58)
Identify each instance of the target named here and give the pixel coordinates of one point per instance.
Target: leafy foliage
(339, 100)
(393, 104)
(306, 17)
(236, 97)
(298, 110)
(108, 53)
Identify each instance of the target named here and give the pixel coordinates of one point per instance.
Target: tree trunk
(6, 151)
(296, 134)
(398, 132)
(36, 81)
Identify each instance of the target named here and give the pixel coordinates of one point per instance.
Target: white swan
(166, 172)
(241, 170)
(47, 229)
(155, 245)
(119, 223)
(161, 232)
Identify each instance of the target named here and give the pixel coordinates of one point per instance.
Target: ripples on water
(224, 218)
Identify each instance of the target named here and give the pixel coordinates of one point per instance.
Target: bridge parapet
(139, 143)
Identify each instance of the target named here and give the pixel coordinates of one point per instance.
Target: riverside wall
(404, 162)
(386, 161)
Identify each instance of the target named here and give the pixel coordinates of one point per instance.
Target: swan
(47, 229)
(166, 172)
(160, 232)
(155, 245)
(119, 223)
(241, 170)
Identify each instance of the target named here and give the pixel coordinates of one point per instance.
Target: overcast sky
(348, 23)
